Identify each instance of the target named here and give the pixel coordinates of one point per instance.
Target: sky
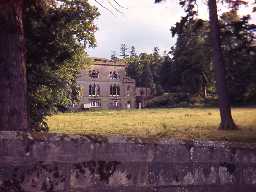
(142, 24)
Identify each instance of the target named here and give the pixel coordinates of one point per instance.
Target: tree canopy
(56, 37)
(217, 52)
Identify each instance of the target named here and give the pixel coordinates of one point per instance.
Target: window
(115, 90)
(94, 90)
(95, 103)
(94, 74)
(113, 75)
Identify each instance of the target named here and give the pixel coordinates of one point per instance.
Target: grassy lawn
(183, 123)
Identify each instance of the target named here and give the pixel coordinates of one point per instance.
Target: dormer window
(113, 75)
(94, 74)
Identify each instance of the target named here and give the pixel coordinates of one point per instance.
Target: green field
(183, 123)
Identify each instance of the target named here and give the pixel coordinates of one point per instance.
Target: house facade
(105, 85)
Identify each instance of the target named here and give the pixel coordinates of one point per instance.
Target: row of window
(97, 103)
(94, 90)
(95, 74)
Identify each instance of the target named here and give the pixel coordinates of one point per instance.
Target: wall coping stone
(46, 137)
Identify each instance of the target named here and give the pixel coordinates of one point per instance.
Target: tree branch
(119, 4)
(114, 7)
(99, 3)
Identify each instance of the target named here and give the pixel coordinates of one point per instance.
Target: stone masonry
(62, 163)
(105, 85)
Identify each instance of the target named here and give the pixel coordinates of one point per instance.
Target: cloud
(143, 24)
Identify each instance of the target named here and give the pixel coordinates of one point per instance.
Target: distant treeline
(187, 69)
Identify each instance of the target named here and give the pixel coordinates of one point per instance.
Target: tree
(123, 51)
(157, 61)
(113, 56)
(145, 69)
(168, 76)
(239, 55)
(135, 69)
(191, 58)
(13, 86)
(156, 53)
(147, 76)
(55, 40)
(133, 51)
(218, 61)
(71, 23)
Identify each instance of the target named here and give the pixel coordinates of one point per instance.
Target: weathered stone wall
(58, 163)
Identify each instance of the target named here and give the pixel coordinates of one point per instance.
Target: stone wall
(59, 163)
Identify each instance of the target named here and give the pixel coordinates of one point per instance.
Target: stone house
(105, 85)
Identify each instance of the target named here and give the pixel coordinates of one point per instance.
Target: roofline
(116, 65)
(107, 62)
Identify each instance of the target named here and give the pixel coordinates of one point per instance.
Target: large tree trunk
(13, 84)
(224, 103)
